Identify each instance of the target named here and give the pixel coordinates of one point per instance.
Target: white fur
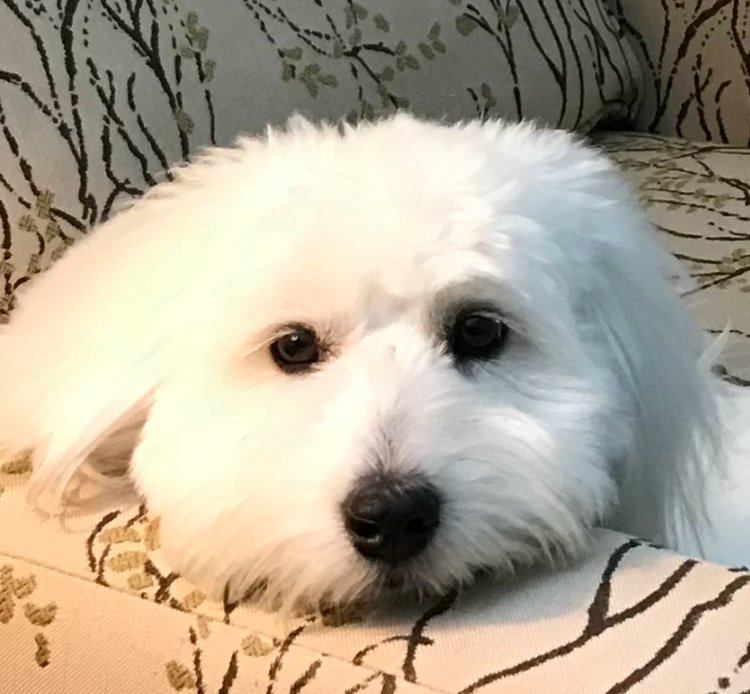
(599, 409)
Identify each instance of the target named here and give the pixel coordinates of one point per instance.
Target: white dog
(376, 359)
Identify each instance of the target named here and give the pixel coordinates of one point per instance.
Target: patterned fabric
(88, 605)
(696, 59)
(98, 97)
(698, 196)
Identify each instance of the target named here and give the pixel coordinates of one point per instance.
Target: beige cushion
(87, 604)
(698, 196)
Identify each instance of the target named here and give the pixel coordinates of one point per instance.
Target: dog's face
(403, 354)
(402, 385)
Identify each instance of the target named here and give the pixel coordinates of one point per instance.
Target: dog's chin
(418, 582)
(389, 588)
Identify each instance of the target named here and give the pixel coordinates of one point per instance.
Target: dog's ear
(81, 357)
(661, 361)
(92, 338)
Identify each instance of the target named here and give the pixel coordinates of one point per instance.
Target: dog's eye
(477, 334)
(297, 350)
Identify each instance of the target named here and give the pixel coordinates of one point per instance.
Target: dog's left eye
(297, 350)
(477, 334)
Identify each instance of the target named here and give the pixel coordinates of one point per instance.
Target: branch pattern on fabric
(124, 543)
(98, 98)
(696, 56)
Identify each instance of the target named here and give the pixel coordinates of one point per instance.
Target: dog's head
(389, 356)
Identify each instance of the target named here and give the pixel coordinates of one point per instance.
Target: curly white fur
(598, 410)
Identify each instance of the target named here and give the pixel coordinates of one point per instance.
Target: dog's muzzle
(391, 517)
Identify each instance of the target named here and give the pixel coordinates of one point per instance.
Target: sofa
(99, 98)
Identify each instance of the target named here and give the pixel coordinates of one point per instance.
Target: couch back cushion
(98, 97)
(696, 59)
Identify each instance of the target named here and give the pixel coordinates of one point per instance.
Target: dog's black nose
(391, 518)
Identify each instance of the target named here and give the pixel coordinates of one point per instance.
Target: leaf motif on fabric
(7, 606)
(151, 535)
(119, 534)
(23, 587)
(203, 628)
(140, 581)
(179, 676)
(426, 51)
(17, 466)
(255, 647)
(465, 25)
(193, 599)
(40, 616)
(127, 561)
(42, 655)
(381, 23)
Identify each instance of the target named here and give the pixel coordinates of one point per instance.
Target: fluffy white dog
(348, 361)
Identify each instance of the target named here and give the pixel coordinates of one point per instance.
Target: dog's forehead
(409, 225)
(407, 212)
(400, 244)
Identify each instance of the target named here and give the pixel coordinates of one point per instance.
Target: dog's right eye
(297, 350)
(477, 334)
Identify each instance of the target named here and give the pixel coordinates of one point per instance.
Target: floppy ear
(93, 337)
(81, 357)
(658, 355)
